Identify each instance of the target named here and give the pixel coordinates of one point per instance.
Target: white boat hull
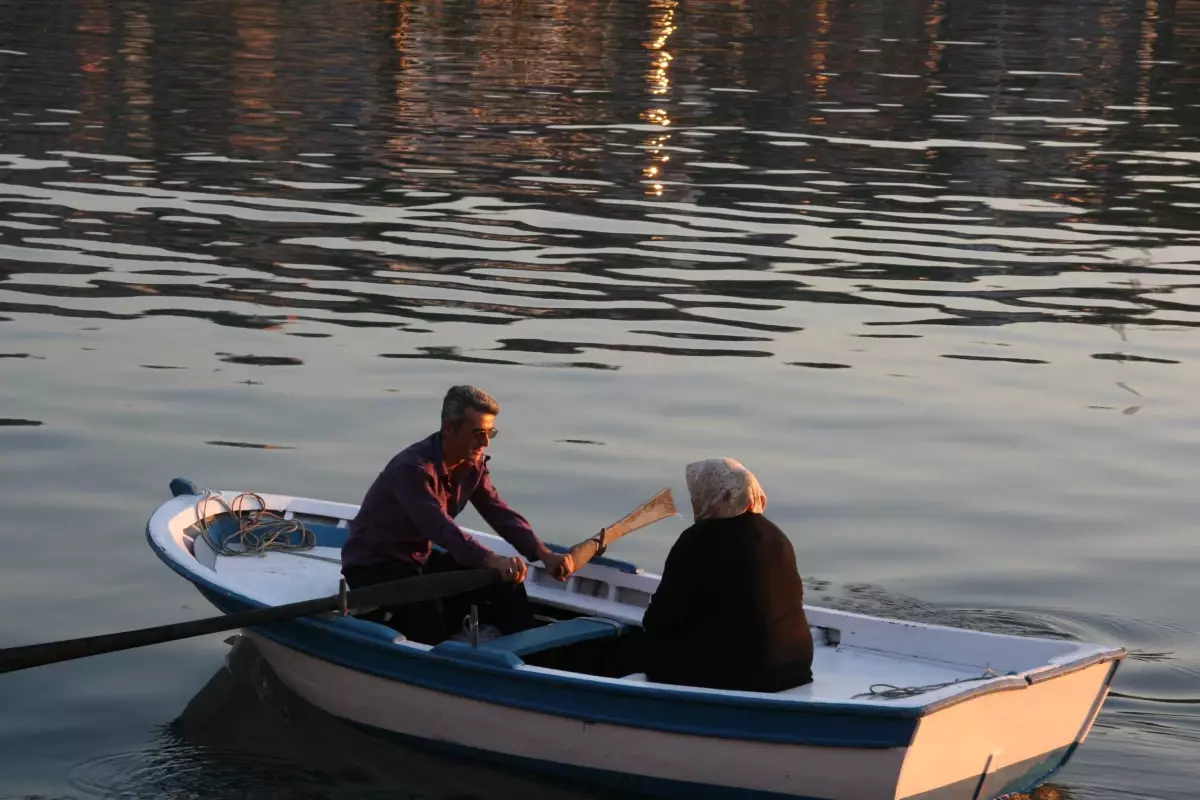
(990, 740)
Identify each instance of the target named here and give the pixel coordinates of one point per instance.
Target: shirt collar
(436, 454)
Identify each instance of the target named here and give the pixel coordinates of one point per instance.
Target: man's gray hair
(461, 398)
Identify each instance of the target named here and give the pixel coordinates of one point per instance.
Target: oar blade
(659, 507)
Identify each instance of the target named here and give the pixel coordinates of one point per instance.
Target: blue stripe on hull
(698, 715)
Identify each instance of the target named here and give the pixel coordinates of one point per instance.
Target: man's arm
(513, 527)
(413, 490)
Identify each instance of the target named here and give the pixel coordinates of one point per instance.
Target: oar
(661, 506)
(393, 593)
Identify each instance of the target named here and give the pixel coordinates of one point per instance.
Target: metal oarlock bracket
(342, 592)
(601, 540)
(471, 623)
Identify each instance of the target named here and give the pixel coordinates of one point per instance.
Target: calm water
(930, 269)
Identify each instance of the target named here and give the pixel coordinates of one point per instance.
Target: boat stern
(1008, 741)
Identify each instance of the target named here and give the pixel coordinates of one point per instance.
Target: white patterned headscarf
(722, 488)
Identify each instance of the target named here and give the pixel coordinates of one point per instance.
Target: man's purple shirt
(412, 504)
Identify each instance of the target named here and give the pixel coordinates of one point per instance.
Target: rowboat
(897, 709)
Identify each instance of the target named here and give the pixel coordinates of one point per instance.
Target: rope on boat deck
(889, 692)
(258, 530)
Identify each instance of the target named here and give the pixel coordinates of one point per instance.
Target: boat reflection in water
(246, 735)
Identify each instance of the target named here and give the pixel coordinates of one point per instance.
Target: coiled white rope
(258, 530)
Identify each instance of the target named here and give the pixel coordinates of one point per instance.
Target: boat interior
(582, 620)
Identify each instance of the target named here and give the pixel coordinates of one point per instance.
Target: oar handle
(588, 549)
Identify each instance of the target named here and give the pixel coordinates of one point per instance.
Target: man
(411, 506)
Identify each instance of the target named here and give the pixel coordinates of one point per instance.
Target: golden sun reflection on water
(659, 80)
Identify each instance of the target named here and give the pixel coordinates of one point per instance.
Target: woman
(729, 612)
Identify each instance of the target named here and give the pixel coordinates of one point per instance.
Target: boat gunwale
(173, 507)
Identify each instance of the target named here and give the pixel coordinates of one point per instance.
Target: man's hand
(511, 569)
(559, 566)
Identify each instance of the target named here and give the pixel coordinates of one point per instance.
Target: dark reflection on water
(261, 361)
(997, 358)
(251, 445)
(995, 202)
(246, 735)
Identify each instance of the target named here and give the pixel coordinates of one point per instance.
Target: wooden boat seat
(558, 634)
(506, 651)
(522, 643)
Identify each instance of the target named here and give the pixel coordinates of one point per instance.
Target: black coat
(728, 613)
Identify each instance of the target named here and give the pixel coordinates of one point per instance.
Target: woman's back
(729, 610)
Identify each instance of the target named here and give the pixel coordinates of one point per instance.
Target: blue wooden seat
(508, 650)
(556, 634)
